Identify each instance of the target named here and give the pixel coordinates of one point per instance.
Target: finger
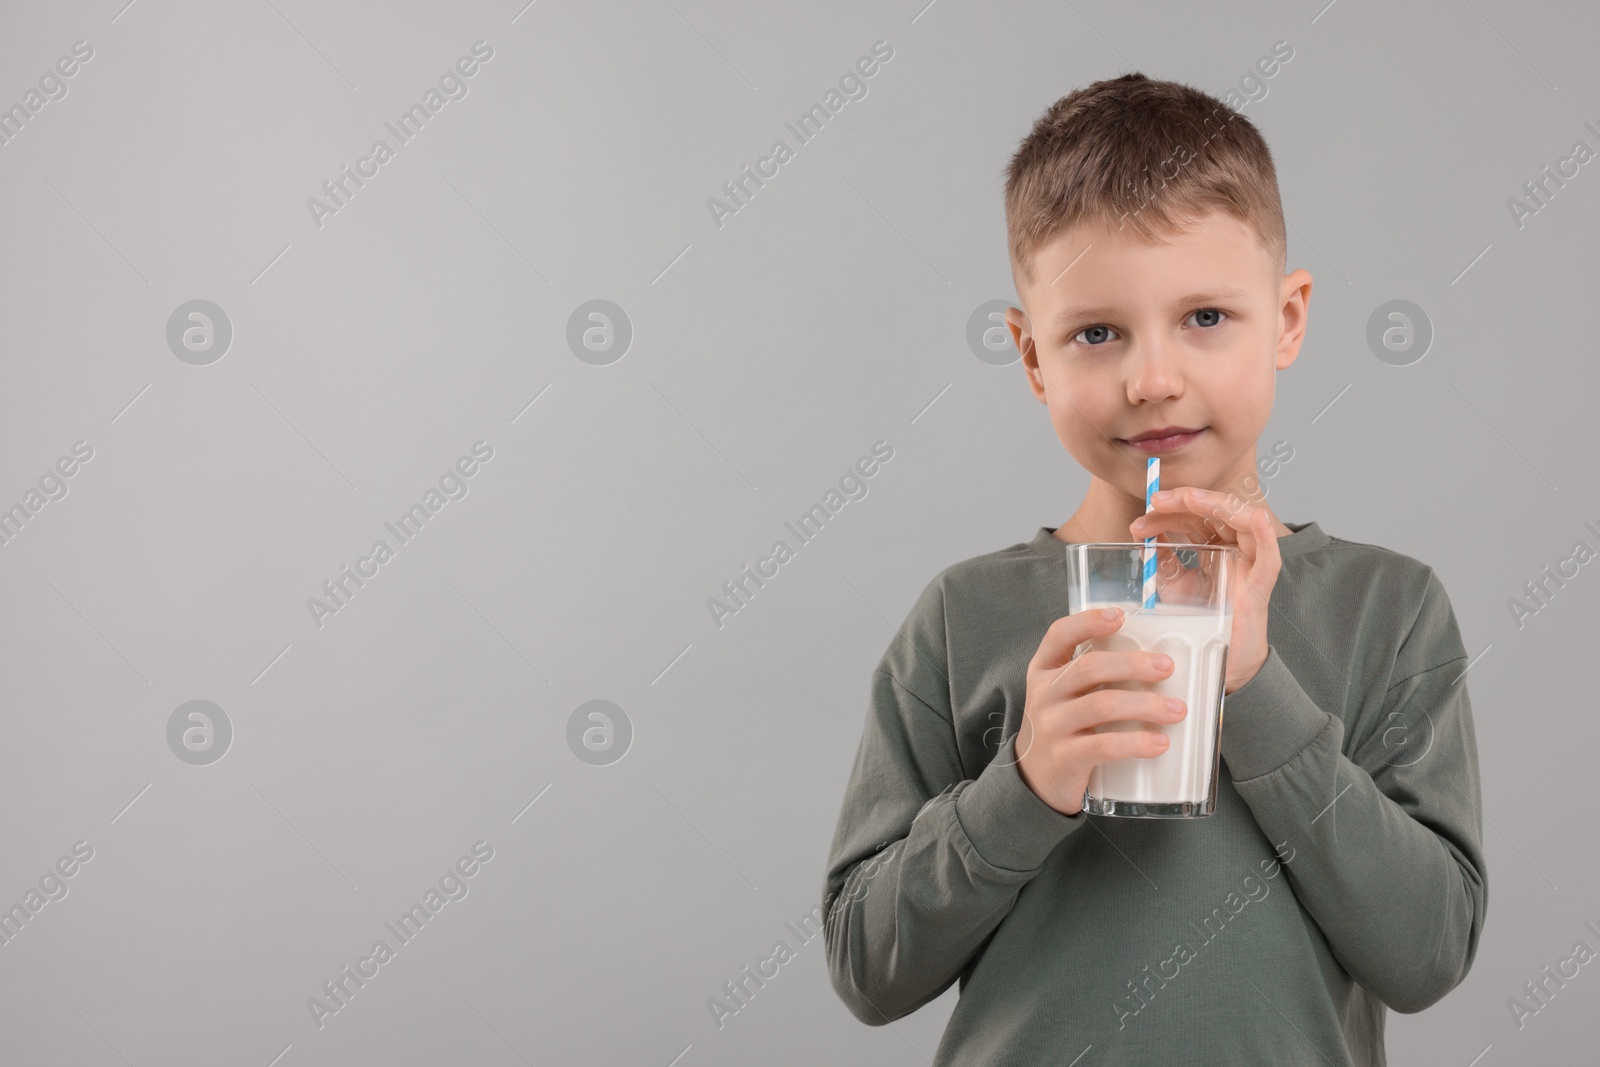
(1237, 518)
(1121, 705)
(1181, 526)
(1125, 744)
(1265, 557)
(1172, 575)
(1188, 504)
(1256, 530)
(1064, 636)
(1103, 666)
(1185, 498)
(1258, 569)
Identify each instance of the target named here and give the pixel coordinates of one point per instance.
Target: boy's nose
(1153, 374)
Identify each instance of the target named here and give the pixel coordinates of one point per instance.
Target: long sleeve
(925, 862)
(1384, 850)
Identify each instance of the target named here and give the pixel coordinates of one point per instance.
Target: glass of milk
(1191, 621)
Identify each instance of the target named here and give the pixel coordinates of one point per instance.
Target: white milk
(1197, 644)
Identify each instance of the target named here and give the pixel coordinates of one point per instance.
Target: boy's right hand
(1057, 745)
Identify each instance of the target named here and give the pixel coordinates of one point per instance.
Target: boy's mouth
(1164, 439)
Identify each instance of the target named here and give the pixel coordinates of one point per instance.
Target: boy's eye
(1098, 332)
(1095, 336)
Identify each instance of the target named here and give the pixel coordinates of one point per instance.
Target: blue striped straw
(1152, 483)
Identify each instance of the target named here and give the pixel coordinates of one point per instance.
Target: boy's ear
(1293, 310)
(1022, 337)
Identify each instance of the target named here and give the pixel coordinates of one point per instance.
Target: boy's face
(1123, 337)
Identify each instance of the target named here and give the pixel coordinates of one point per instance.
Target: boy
(1343, 871)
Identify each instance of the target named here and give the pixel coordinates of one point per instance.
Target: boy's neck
(1107, 511)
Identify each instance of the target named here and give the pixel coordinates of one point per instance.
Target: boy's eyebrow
(1205, 296)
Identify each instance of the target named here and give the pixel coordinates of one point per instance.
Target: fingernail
(1175, 705)
(1110, 613)
(1162, 661)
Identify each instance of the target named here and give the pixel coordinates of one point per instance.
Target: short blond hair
(1145, 154)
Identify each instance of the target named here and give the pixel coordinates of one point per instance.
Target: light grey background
(768, 355)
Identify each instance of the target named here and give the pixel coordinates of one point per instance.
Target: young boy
(1342, 872)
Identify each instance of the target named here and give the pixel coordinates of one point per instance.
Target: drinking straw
(1152, 483)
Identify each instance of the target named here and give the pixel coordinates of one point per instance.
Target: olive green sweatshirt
(1342, 873)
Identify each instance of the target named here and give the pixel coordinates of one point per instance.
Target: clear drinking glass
(1191, 621)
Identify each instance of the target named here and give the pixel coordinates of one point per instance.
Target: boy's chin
(1123, 467)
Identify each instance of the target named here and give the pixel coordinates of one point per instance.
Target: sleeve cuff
(1268, 720)
(1005, 821)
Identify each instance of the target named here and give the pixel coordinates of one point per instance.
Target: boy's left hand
(1180, 515)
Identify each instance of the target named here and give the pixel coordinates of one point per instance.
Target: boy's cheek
(1076, 431)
